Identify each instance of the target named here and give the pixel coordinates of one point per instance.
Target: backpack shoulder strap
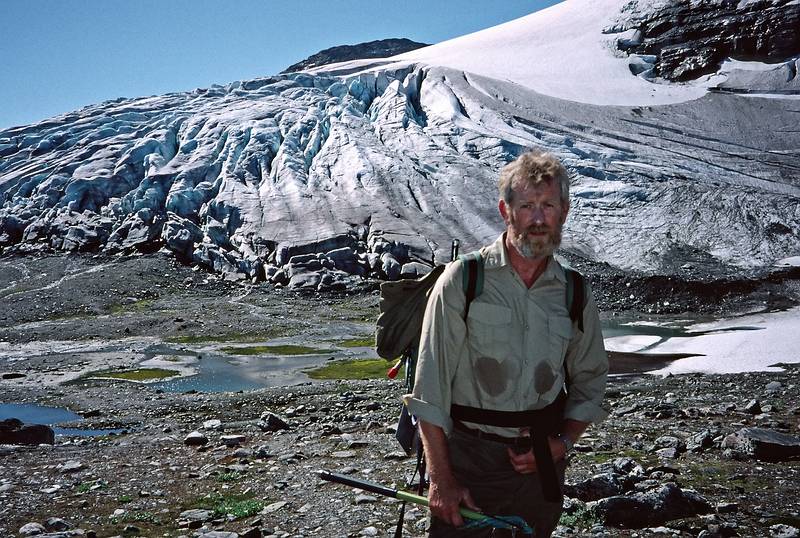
(576, 296)
(472, 280)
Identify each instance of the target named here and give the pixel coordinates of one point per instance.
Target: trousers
(483, 467)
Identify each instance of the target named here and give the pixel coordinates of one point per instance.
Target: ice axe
(477, 519)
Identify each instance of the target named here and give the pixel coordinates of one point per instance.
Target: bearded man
(507, 383)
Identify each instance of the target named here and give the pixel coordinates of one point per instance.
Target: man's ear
(503, 210)
(564, 213)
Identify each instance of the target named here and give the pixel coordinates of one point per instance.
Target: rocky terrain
(706, 36)
(679, 456)
(381, 48)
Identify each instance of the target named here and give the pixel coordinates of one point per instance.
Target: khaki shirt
(513, 357)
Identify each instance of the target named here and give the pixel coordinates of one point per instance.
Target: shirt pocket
(560, 332)
(489, 329)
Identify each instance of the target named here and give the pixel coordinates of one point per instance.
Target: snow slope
(393, 158)
(561, 52)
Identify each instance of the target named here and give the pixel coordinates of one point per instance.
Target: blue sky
(59, 55)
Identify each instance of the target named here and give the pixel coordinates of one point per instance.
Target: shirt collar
(495, 256)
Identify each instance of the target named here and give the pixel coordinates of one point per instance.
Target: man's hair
(533, 168)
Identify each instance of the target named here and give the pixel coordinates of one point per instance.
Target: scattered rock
(71, 467)
(195, 439)
(14, 432)
(270, 422)
(274, 507)
(233, 440)
(32, 529)
(763, 444)
(654, 507)
(213, 425)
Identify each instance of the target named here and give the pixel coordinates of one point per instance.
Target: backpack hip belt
(542, 423)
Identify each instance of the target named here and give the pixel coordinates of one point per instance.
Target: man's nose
(537, 215)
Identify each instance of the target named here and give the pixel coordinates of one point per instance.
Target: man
(511, 351)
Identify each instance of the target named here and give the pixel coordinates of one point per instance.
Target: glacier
(371, 168)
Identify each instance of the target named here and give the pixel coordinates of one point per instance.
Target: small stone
(784, 531)
(32, 529)
(195, 439)
(365, 499)
(369, 531)
(773, 386)
(71, 467)
(753, 407)
(196, 515)
(51, 489)
(233, 440)
(214, 425)
(274, 507)
(56, 524)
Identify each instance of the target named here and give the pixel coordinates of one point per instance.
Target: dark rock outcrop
(14, 432)
(688, 39)
(763, 444)
(382, 48)
(649, 508)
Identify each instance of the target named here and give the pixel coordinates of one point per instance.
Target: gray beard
(537, 248)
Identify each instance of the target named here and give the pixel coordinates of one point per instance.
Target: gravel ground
(53, 309)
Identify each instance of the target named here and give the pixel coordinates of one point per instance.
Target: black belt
(524, 443)
(542, 422)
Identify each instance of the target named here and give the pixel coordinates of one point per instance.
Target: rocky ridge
(680, 41)
(381, 48)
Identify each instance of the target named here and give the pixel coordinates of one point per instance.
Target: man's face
(534, 219)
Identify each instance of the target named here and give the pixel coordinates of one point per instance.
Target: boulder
(763, 444)
(650, 508)
(285, 251)
(597, 487)
(305, 280)
(32, 529)
(270, 422)
(414, 270)
(195, 439)
(390, 267)
(14, 432)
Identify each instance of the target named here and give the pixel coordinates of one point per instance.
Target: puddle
(220, 372)
(39, 414)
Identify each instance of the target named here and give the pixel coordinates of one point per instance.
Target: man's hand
(444, 499)
(525, 463)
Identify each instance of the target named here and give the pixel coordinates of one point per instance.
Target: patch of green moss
(354, 369)
(236, 506)
(580, 518)
(357, 342)
(139, 374)
(231, 476)
(138, 306)
(275, 350)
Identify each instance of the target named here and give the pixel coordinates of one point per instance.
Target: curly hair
(533, 168)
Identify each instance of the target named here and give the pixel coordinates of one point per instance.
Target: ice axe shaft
(389, 492)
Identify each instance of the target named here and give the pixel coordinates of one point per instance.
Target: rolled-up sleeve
(442, 344)
(587, 366)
